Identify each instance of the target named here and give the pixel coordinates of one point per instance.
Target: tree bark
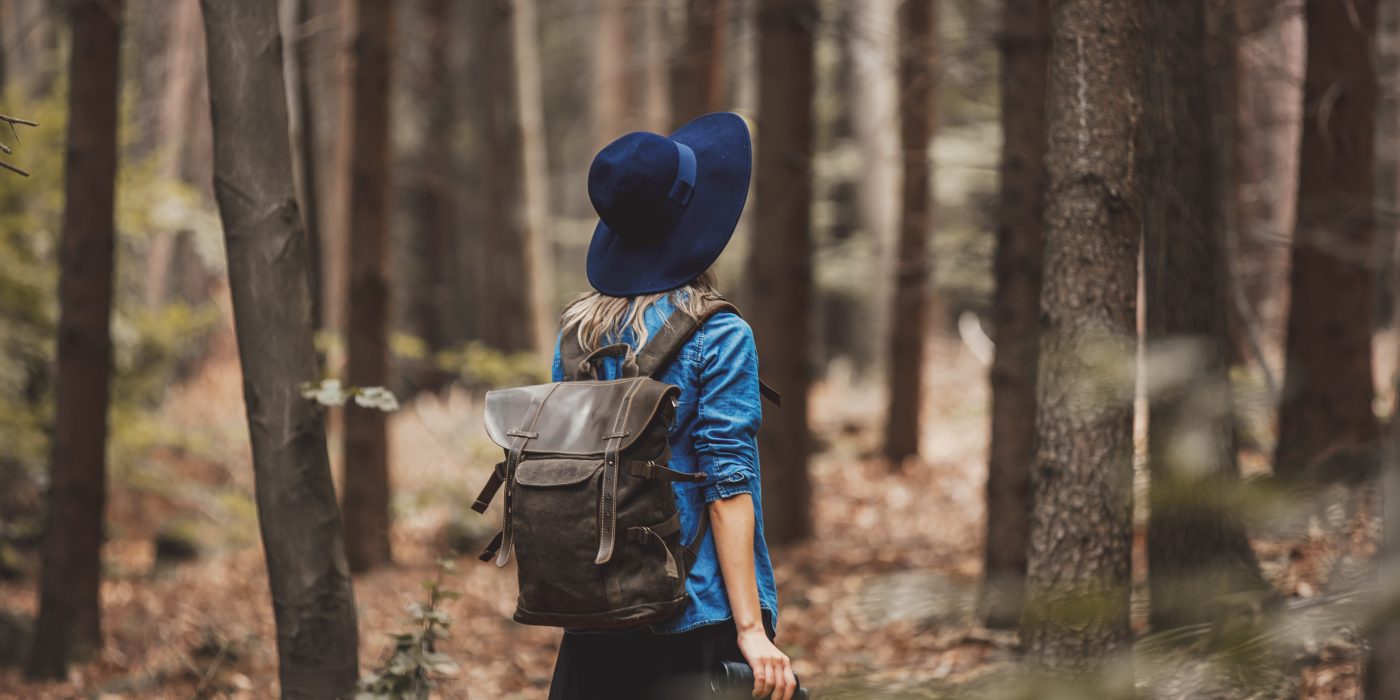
(780, 261)
(513, 251)
(1078, 568)
(1387, 150)
(1025, 47)
(1270, 46)
(697, 72)
(305, 161)
(430, 196)
(366, 483)
(1328, 387)
(69, 623)
(1197, 549)
(615, 78)
(313, 605)
(917, 83)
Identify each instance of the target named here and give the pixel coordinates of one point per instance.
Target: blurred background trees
(951, 197)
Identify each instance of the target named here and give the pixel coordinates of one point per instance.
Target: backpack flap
(576, 418)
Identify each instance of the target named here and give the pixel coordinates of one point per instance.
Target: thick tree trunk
(780, 262)
(917, 121)
(366, 482)
(1025, 47)
(1327, 385)
(312, 601)
(513, 249)
(697, 71)
(1078, 569)
(305, 134)
(1197, 550)
(69, 622)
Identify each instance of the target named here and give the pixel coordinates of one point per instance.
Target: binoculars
(735, 680)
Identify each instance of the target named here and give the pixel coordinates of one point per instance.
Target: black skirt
(642, 664)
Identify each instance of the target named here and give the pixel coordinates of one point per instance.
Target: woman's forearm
(733, 524)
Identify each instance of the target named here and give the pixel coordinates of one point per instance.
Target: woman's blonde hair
(595, 317)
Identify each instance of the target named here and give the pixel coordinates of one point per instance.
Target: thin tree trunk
(366, 483)
(615, 78)
(69, 623)
(917, 121)
(513, 247)
(874, 104)
(780, 261)
(1078, 568)
(1268, 40)
(1383, 668)
(430, 195)
(698, 70)
(1025, 47)
(1197, 549)
(313, 605)
(1387, 157)
(1328, 387)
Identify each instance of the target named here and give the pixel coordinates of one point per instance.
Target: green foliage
(150, 344)
(413, 667)
(486, 367)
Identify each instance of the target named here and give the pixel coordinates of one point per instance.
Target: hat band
(685, 175)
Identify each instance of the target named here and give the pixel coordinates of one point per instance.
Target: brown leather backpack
(589, 510)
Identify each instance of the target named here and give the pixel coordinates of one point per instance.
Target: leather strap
(651, 470)
(586, 366)
(488, 492)
(523, 435)
(679, 327)
(673, 334)
(607, 501)
(665, 529)
(693, 547)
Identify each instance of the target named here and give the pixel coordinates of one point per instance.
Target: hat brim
(723, 164)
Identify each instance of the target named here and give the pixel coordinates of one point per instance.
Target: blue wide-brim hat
(667, 205)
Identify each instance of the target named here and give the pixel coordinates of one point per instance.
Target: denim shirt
(716, 432)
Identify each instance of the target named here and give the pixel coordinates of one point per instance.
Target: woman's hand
(772, 670)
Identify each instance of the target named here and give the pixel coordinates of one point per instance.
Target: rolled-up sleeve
(729, 412)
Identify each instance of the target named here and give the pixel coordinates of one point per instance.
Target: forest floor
(878, 604)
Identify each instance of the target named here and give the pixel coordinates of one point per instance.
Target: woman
(667, 207)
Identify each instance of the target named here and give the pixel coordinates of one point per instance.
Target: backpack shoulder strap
(662, 348)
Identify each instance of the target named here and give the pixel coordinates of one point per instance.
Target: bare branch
(12, 168)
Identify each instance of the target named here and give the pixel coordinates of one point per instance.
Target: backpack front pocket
(555, 513)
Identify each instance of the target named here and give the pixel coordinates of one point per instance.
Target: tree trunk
(780, 262)
(366, 483)
(312, 601)
(305, 161)
(1078, 568)
(616, 81)
(1387, 158)
(430, 196)
(1270, 46)
(1197, 550)
(917, 121)
(69, 622)
(874, 104)
(1327, 385)
(1025, 46)
(697, 73)
(513, 250)
(1382, 670)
